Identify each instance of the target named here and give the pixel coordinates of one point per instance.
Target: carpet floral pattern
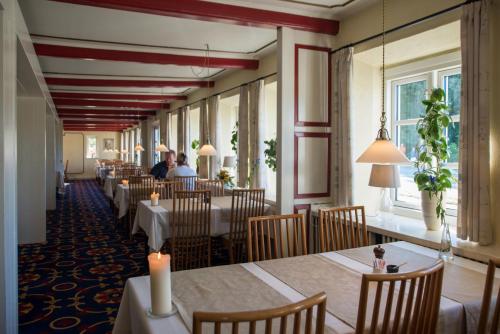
(74, 282)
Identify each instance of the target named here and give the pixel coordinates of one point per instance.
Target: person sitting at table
(159, 171)
(182, 168)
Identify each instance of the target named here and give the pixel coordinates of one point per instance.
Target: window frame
(414, 72)
(155, 133)
(87, 147)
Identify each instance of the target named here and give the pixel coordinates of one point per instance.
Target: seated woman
(182, 168)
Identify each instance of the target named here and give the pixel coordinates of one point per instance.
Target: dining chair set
(400, 303)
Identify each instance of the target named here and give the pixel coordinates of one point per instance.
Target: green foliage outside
(234, 138)
(270, 154)
(195, 145)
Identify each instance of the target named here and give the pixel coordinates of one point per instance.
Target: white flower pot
(429, 204)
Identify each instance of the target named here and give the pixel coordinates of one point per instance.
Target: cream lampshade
(229, 162)
(138, 148)
(383, 151)
(384, 176)
(161, 148)
(207, 150)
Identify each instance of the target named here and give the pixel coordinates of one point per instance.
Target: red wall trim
(117, 104)
(298, 135)
(125, 83)
(107, 96)
(217, 12)
(109, 117)
(51, 50)
(296, 90)
(95, 129)
(72, 111)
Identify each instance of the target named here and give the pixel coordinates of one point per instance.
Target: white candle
(154, 199)
(161, 294)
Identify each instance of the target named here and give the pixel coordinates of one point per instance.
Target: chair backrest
(245, 203)
(66, 167)
(275, 237)
(216, 187)
(140, 189)
(263, 319)
(342, 228)
(190, 230)
(485, 308)
(167, 189)
(188, 182)
(402, 303)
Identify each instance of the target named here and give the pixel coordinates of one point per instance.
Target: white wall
(8, 169)
(366, 108)
(51, 163)
(89, 164)
(31, 178)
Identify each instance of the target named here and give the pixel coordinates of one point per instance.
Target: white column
(51, 162)
(8, 169)
(285, 143)
(31, 158)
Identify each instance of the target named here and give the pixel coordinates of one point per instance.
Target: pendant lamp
(383, 150)
(161, 148)
(139, 148)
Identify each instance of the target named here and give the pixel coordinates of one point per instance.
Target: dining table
(274, 283)
(155, 220)
(109, 186)
(121, 199)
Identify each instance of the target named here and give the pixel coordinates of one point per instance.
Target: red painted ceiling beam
(90, 123)
(125, 83)
(93, 129)
(102, 96)
(105, 112)
(217, 12)
(123, 117)
(116, 104)
(51, 50)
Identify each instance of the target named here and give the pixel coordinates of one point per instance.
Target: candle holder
(151, 315)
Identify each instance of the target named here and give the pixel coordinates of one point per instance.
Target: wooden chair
(216, 187)
(275, 237)
(66, 171)
(190, 243)
(166, 189)
(188, 182)
(485, 308)
(245, 203)
(342, 228)
(140, 189)
(411, 303)
(264, 318)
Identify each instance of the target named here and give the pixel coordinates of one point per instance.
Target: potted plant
(432, 178)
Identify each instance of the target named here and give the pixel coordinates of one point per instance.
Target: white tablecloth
(108, 186)
(136, 298)
(154, 220)
(121, 199)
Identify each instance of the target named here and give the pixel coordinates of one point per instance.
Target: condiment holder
(378, 261)
(155, 198)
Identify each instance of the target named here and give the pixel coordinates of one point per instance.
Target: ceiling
(106, 58)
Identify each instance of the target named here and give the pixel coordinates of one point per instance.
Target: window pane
(173, 132)
(408, 191)
(156, 142)
(194, 134)
(228, 112)
(91, 147)
(410, 98)
(270, 96)
(453, 138)
(452, 89)
(408, 139)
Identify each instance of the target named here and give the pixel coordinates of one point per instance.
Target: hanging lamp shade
(385, 176)
(161, 148)
(139, 148)
(207, 150)
(383, 151)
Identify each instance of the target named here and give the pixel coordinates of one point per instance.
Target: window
(228, 115)
(131, 146)
(407, 108)
(270, 114)
(137, 154)
(156, 142)
(194, 135)
(126, 146)
(91, 147)
(173, 131)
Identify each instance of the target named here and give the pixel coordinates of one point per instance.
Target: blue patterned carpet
(74, 283)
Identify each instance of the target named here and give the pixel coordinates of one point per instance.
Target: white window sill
(414, 231)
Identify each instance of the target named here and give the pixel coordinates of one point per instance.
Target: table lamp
(207, 150)
(385, 177)
(229, 162)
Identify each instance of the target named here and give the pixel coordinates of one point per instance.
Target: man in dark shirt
(159, 171)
